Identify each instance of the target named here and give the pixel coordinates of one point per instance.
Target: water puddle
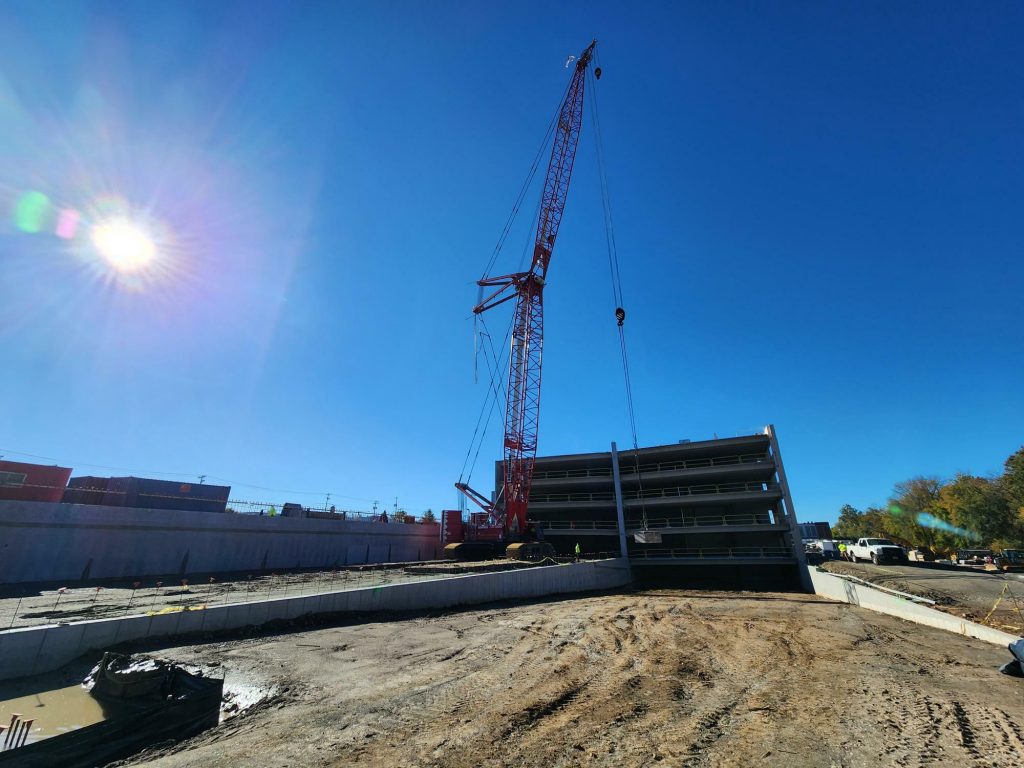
(54, 711)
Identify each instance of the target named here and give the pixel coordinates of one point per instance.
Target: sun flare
(126, 246)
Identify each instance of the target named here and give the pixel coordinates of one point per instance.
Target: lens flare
(67, 223)
(31, 212)
(928, 520)
(125, 245)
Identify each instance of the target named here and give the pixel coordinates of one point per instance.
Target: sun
(125, 245)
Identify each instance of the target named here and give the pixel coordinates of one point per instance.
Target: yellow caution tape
(1005, 589)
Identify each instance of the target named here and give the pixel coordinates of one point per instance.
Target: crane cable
(616, 280)
(498, 388)
(495, 387)
(526, 186)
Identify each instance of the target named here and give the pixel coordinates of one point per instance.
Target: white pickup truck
(877, 551)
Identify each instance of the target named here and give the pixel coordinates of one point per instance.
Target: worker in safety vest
(577, 551)
(842, 550)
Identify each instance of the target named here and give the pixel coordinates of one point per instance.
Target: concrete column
(794, 532)
(618, 503)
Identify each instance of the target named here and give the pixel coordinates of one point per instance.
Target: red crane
(522, 409)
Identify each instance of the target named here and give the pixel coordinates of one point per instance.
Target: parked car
(877, 551)
(972, 556)
(921, 555)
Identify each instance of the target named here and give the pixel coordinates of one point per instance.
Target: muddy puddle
(54, 711)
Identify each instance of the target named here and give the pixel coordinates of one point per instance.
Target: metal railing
(739, 518)
(664, 466)
(699, 521)
(576, 525)
(708, 553)
(15, 734)
(656, 493)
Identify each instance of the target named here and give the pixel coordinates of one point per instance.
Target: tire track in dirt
(631, 679)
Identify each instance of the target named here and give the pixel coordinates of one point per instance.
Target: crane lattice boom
(522, 409)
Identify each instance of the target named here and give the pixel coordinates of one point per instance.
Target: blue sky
(817, 207)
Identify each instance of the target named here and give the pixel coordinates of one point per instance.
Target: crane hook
(620, 315)
(597, 72)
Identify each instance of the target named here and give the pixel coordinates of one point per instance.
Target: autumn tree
(979, 506)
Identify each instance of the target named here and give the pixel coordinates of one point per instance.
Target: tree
(909, 501)
(851, 523)
(428, 516)
(979, 506)
(1012, 482)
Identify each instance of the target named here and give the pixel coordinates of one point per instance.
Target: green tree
(428, 516)
(910, 498)
(1012, 483)
(851, 523)
(980, 506)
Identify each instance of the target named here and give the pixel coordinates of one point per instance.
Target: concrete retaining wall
(836, 588)
(33, 650)
(42, 541)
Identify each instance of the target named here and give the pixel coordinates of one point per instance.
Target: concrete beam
(843, 591)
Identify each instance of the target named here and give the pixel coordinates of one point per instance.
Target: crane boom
(522, 408)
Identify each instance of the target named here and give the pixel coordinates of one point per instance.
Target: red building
(32, 482)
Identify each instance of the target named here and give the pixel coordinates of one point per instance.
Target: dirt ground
(656, 677)
(965, 592)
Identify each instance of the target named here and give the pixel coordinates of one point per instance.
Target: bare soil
(656, 677)
(995, 599)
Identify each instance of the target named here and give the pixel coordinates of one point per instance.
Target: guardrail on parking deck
(657, 493)
(700, 521)
(576, 525)
(663, 466)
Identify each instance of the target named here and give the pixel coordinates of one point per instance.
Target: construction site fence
(102, 496)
